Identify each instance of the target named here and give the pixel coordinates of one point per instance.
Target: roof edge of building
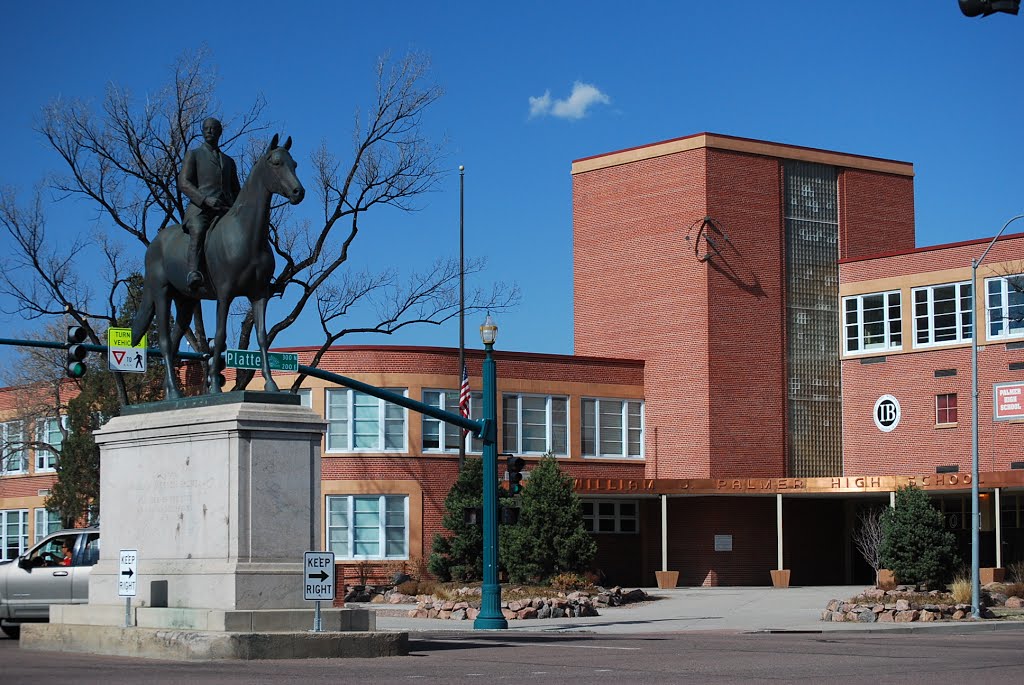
(929, 248)
(745, 145)
(506, 354)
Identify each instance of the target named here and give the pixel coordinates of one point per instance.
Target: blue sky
(531, 86)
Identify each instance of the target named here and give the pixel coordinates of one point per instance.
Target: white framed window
(1005, 307)
(46, 522)
(943, 314)
(535, 424)
(368, 526)
(305, 397)
(873, 322)
(48, 432)
(611, 515)
(439, 436)
(357, 422)
(12, 447)
(13, 533)
(612, 428)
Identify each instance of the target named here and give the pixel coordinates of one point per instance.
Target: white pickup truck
(55, 571)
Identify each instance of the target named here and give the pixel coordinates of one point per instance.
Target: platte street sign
(252, 359)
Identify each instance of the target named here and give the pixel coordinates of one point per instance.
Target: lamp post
(975, 508)
(490, 616)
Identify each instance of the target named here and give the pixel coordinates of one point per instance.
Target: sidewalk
(732, 609)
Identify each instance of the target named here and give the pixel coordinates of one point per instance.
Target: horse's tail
(143, 316)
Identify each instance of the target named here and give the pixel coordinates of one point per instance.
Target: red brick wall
(640, 292)
(876, 213)
(746, 324)
(916, 445)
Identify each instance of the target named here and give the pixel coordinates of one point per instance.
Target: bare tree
(122, 159)
(869, 535)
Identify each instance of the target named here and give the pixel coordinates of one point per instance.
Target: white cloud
(573, 107)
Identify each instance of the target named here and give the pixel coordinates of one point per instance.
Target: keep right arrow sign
(318, 575)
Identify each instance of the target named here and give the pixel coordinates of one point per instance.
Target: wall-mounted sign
(887, 413)
(723, 543)
(1008, 401)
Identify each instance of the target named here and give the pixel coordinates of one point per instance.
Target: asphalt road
(849, 658)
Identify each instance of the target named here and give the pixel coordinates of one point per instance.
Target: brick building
(742, 308)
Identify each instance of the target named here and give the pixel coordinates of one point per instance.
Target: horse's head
(281, 178)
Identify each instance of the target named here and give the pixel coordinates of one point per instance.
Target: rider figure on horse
(209, 179)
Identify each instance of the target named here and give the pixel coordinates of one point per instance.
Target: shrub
(916, 545)
(960, 589)
(459, 556)
(1015, 571)
(567, 582)
(1014, 590)
(549, 538)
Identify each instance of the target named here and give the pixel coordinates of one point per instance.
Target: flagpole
(462, 304)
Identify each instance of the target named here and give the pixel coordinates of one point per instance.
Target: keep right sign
(318, 575)
(1008, 401)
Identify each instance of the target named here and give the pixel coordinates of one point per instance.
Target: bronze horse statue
(239, 262)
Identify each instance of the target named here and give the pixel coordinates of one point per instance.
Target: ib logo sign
(887, 413)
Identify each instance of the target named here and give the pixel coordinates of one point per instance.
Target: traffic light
(75, 367)
(972, 8)
(515, 474)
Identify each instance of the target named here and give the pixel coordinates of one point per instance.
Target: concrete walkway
(732, 609)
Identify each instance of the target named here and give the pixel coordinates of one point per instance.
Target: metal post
(127, 612)
(975, 520)
(318, 624)
(978, 324)
(462, 304)
(490, 617)
(999, 530)
(664, 532)
(778, 526)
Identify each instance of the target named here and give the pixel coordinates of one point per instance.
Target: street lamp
(975, 508)
(490, 616)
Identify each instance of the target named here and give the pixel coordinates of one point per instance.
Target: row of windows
(14, 530)
(531, 424)
(377, 526)
(942, 315)
(15, 450)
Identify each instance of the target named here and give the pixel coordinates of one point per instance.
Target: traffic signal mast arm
(481, 429)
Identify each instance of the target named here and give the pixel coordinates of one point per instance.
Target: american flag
(464, 397)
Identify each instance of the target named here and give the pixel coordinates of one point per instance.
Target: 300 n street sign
(252, 359)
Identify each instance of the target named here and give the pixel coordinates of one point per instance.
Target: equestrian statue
(222, 251)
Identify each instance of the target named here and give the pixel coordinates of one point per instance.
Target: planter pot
(667, 579)
(991, 575)
(885, 579)
(780, 578)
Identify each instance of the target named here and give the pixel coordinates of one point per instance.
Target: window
(360, 422)
(1010, 506)
(535, 424)
(444, 437)
(943, 314)
(12, 443)
(46, 522)
(945, 408)
(306, 397)
(873, 322)
(368, 527)
(610, 516)
(1005, 307)
(49, 433)
(612, 428)
(13, 532)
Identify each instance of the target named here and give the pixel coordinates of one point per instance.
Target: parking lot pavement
(734, 609)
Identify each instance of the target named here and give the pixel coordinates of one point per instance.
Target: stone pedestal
(220, 501)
